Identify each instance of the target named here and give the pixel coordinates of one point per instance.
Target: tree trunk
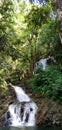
(59, 14)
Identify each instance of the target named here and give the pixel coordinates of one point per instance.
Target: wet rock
(27, 117)
(7, 123)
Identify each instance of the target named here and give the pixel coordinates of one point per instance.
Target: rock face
(49, 112)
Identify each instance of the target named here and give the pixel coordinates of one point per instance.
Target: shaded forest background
(28, 33)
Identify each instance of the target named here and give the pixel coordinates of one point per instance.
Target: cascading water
(22, 113)
(43, 62)
(21, 95)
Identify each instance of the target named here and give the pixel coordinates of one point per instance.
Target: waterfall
(23, 112)
(43, 62)
(21, 95)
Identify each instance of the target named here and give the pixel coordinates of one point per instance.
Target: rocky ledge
(49, 112)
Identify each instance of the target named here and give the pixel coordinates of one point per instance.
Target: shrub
(48, 82)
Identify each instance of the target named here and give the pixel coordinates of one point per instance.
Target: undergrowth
(48, 82)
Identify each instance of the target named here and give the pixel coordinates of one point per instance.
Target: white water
(43, 62)
(23, 112)
(21, 95)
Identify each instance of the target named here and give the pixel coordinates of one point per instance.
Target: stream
(32, 128)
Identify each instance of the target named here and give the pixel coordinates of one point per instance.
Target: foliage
(49, 36)
(3, 84)
(27, 33)
(48, 82)
(11, 28)
(40, 15)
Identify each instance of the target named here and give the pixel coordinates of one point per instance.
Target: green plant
(48, 82)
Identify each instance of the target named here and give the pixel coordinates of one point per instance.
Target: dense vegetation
(28, 33)
(48, 82)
